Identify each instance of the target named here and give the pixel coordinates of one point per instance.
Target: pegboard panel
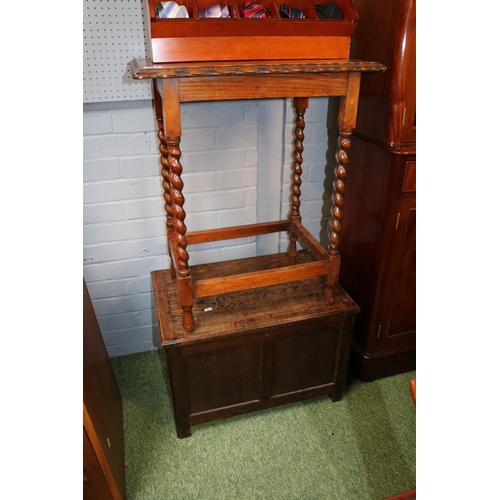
(113, 34)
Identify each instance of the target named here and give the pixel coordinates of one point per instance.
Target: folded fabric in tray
(215, 11)
(289, 12)
(170, 10)
(253, 10)
(329, 10)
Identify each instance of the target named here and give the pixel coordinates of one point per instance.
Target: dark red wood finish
(386, 32)
(379, 261)
(379, 226)
(103, 440)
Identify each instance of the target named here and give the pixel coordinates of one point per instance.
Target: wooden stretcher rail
(235, 232)
(258, 279)
(226, 284)
(307, 240)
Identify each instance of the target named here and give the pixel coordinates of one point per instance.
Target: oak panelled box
(237, 39)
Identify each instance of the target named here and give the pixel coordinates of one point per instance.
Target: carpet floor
(360, 448)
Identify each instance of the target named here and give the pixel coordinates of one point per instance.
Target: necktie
(170, 10)
(329, 11)
(215, 11)
(254, 10)
(286, 11)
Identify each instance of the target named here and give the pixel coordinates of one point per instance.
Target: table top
(144, 69)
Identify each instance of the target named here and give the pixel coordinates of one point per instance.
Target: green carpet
(362, 447)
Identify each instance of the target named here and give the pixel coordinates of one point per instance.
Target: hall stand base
(252, 349)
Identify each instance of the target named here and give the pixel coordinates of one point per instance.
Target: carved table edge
(143, 69)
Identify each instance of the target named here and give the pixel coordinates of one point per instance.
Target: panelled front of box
(276, 363)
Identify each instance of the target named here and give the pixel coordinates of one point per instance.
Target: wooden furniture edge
(413, 389)
(99, 453)
(144, 68)
(409, 148)
(407, 495)
(370, 366)
(165, 323)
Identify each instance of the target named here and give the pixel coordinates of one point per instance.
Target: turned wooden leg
(184, 281)
(336, 220)
(165, 173)
(163, 149)
(346, 122)
(300, 105)
(171, 110)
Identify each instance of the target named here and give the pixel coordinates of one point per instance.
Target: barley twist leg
(165, 172)
(336, 220)
(300, 106)
(179, 215)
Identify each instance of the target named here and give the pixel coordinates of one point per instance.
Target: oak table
(253, 333)
(175, 83)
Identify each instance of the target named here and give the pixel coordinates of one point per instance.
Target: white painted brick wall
(123, 214)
